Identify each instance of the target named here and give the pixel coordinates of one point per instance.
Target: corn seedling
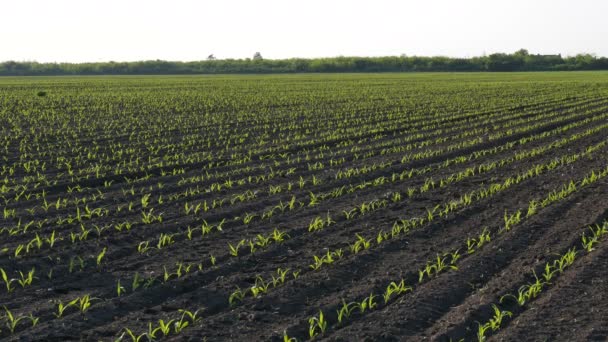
(133, 336)
(368, 303)
(395, 289)
(280, 279)
(286, 338)
(345, 310)
(143, 247)
(360, 244)
(278, 236)
(100, 256)
(317, 325)
(7, 282)
(164, 240)
(235, 296)
(84, 302)
(234, 250)
(61, 307)
(25, 280)
(13, 320)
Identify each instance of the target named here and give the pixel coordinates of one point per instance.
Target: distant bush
(518, 61)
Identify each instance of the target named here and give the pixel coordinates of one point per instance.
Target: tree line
(518, 61)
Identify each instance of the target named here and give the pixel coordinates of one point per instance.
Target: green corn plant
(588, 242)
(549, 271)
(411, 192)
(454, 256)
(149, 217)
(520, 298)
(481, 331)
(360, 244)
(566, 260)
(511, 220)
(119, 289)
(286, 337)
(99, 230)
(471, 243)
(18, 250)
(206, 228)
(317, 324)
(193, 316)
(164, 240)
(235, 296)
(7, 282)
(292, 203)
(234, 250)
(137, 281)
(262, 241)
(143, 247)
(484, 237)
(13, 320)
(328, 220)
(84, 302)
(252, 248)
(396, 197)
(152, 331)
(395, 289)
(145, 201)
(345, 310)
(498, 317)
(192, 208)
(61, 307)
(281, 276)
(349, 214)
(165, 327)
(189, 231)
(301, 182)
(124, 225)
(133, 336)
(180, 325)
(51, 239)
(248, 218)
(278, 236)
(37, 242)
(368, 303)
(596, 233)
(598, 230)
(26, 280)
(314, 199)
(382, 236)
(167, 275)
(100, 256)
(316, 224)
(260, 287)
(532, 208)
(318, 262)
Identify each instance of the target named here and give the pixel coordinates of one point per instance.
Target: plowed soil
(520, 114)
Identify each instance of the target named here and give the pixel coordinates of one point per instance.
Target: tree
(257, 56)
(503, 62)
(211, 57)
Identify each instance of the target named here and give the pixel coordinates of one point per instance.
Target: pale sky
(127, 30)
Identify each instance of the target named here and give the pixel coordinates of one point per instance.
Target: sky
(185, 30)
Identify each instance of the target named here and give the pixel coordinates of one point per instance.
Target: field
(325, 207)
